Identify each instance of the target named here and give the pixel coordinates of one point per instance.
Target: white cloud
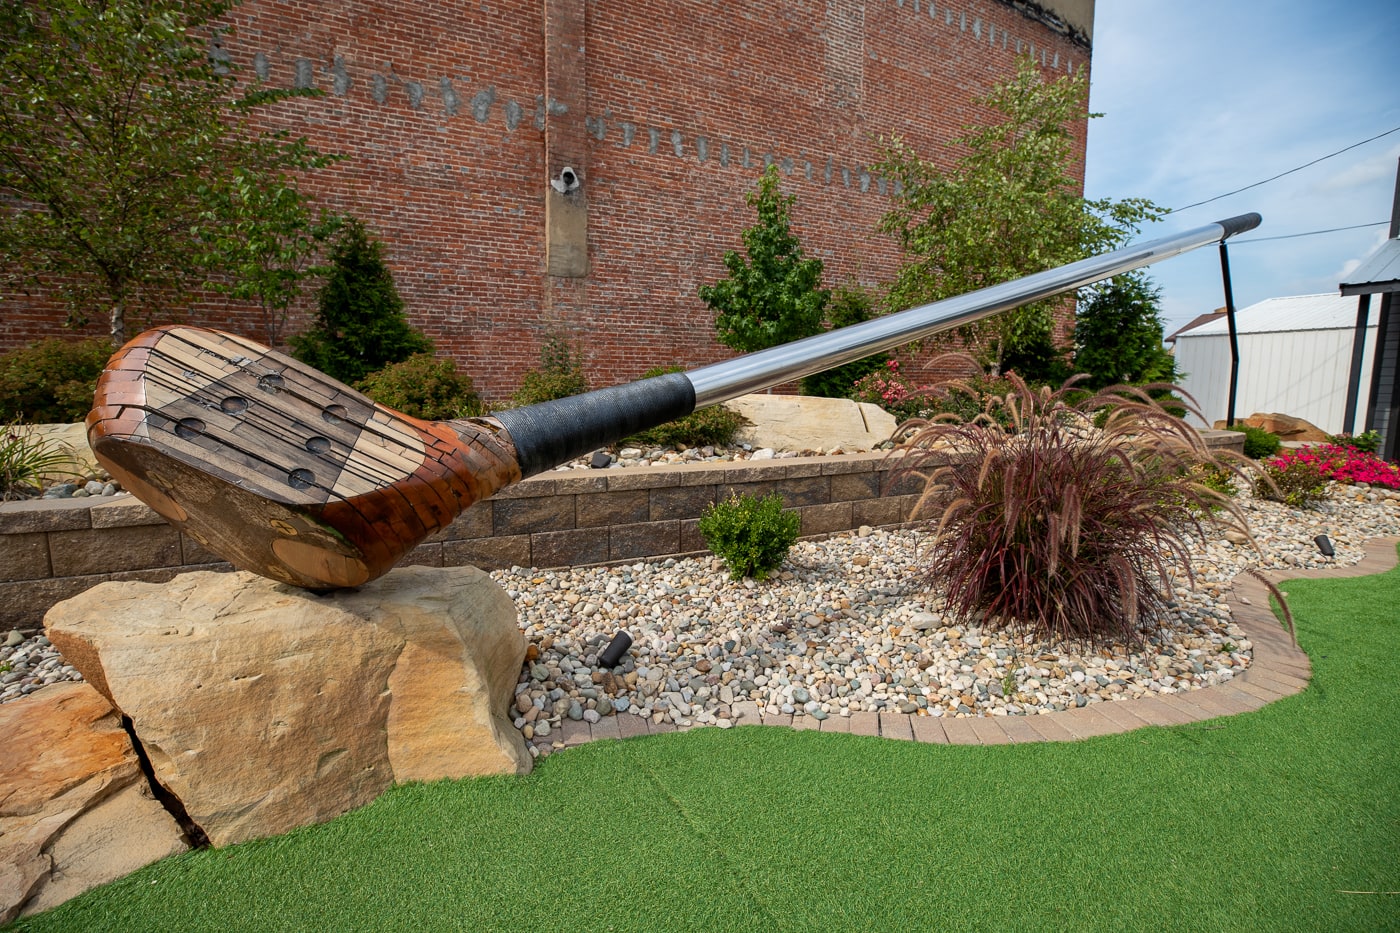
(1376, 168)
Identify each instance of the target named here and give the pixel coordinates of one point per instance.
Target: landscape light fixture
(1324, 544)
(616, 648)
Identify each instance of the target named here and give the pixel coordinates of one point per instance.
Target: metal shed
(1295, 358)
(1380, 274)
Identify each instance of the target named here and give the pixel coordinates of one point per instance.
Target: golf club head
(276, 467)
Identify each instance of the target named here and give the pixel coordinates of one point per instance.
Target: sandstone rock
(263, 707)
(70, 440)
(1287, 427)
(75, 811)
(801, 422)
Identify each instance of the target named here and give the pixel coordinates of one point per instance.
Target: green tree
(360, 325)
(1118, 333)
(1009, 207)
(773, 294)
(267, 235)
(120, 133)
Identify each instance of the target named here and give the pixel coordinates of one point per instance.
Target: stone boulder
(75, 810)
(263, 707)
(1287, 427)
(804, 422)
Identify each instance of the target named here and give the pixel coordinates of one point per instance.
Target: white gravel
(845, 627)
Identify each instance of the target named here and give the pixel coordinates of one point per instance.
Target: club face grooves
(276, 467)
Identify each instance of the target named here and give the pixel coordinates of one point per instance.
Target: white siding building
(1295, 357)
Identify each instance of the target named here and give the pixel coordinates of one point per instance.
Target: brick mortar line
(1289, 663)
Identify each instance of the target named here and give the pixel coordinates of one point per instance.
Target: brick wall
(454, 123)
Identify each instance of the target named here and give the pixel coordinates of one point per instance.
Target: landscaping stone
(75, 810)
(264, 707)
(792, 422)
(845, 623)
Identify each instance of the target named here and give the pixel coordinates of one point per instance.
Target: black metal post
(1358, 341)
(1234, 336)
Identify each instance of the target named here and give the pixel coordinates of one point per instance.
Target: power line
(1292, 236)
(1289, 172)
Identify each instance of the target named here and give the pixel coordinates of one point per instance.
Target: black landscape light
(615, 650)
(1324, 544)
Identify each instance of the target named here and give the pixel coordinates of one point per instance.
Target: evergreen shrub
(1259, 443)
(360, 325)
(705, 426)
(848, 305)
(560, 375)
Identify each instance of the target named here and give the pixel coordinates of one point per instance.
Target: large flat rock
(264, 707)
(804, 422)
(75, 810)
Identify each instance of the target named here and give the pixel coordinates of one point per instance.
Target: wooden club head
(278, 468)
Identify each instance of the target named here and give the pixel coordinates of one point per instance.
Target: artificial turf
(1287, 818)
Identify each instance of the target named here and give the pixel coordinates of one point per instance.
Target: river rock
(264, 707)
(75, 810)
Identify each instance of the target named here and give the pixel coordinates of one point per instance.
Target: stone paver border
(1278, 670)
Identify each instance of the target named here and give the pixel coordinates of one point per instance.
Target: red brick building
(654, 117)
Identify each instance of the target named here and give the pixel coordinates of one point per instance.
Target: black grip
(1239, 224)
(551, 433)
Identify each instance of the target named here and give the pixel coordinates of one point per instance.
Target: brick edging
(1278, 669)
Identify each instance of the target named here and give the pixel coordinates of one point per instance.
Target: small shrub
(1294, 481)
(1368, 442)
(1052, 526)
(1214, 477)
(1258, 443)
(891, 390)
(424, 387)
(714, 425)
(51, 381)
(560, 375)
(752, 535)
(968, 399)
(26, 459)
(1342, 464)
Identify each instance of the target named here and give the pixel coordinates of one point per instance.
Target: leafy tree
(1009, 207)
(1118, 333)
(120, 137)
(267, 235)
(774, 295)
(360, 325)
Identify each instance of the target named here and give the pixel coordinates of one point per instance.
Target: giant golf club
(289, 474)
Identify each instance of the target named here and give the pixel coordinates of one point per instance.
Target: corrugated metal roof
(1378, 272)
(1273, 315)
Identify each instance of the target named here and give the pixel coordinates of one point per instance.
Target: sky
(1203, 98)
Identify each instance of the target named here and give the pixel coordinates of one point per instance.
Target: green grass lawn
(1266, 821)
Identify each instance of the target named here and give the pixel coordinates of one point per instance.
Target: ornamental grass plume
(1046, 524)
(27, 459)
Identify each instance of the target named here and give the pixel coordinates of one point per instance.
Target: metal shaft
(756, 371)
